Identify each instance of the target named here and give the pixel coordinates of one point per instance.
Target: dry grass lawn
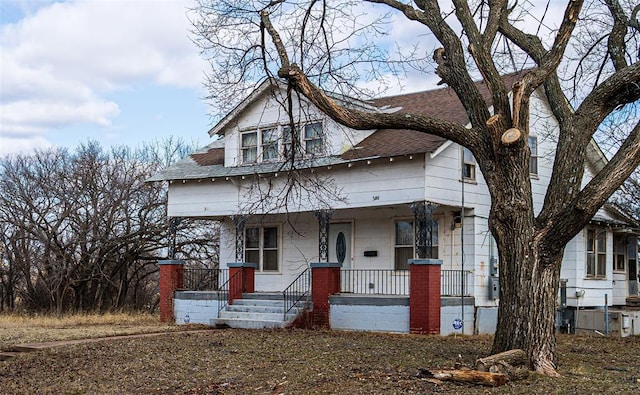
(299, 362)
(16, 328)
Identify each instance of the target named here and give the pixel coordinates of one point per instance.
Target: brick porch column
(325, 281)
(242, 278)
(424, 296)
(171, 279)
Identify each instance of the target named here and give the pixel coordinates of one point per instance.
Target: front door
(340, 244)
(340, 251)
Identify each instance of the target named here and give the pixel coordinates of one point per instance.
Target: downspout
(462, 239)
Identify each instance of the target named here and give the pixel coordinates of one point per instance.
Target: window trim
(592, 248)
(471, 163)
(282, 142)
(261, 248)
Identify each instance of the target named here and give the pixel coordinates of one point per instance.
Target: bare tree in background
(585, 65)
(83, 231)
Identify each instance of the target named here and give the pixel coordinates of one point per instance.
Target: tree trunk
(529, 281)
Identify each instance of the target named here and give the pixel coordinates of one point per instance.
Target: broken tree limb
(514, 357)
(466, 376)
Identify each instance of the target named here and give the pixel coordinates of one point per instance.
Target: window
(619, 251)
(596, 253)
(468, 165)
(313, 138)
(533, 160)
(249, 147)
(405, 245)
(261, 247)
(275, 143)
(287, 150)
(269, 144)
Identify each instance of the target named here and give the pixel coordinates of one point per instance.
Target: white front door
(340, 244)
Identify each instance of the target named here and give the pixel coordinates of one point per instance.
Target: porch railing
(203, 279)
(297, 291)
(393, 282)
(374, 282)
(234, 283)
(451, 282)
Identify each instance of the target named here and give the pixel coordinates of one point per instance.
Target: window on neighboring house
(261, 247)
(468, 165)
(596, 253)
(249, 147)
(405, 243)
(313, 143)
(619, 251)
(533, 160)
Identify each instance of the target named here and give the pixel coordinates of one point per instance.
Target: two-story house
(371, 200)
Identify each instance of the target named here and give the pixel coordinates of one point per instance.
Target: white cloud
(61, 61)
(14, 145)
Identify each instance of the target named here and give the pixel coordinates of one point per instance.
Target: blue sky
(121, 72)
(116, 71)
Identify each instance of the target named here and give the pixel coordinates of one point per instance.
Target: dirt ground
(234, 361)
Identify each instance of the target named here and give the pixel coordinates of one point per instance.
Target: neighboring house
(363, 196)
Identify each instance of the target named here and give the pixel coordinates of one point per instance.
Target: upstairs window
(249, 147)
(596, 253)
(277, 143)
(269, 144)
(468, 165)
(533, 160)
(313, 142)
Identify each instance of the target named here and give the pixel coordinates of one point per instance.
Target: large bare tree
(584, 63)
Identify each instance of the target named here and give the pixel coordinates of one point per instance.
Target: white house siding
(205, 198)
(372, 230)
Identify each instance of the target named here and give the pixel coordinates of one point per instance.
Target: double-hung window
(468, 165)
(261, 247)
(279, 142)
(313, 141)
(619, 253)
(533, 160)
(405, 246)
(249, 147)
(596, 253)
(259, 145)
(269, 144)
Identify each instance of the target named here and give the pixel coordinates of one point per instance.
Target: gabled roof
(440, 103)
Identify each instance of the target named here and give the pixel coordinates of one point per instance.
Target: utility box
(494, 287)
(593, 321)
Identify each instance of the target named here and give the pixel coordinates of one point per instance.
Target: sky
(121, 72)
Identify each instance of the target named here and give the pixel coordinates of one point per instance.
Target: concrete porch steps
(257, 311)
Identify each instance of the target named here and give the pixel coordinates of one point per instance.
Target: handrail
(296, 291)
(232, 282)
